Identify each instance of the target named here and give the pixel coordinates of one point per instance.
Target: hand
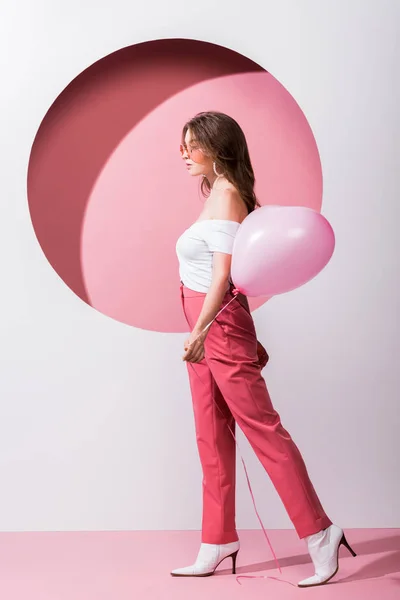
(194, 348)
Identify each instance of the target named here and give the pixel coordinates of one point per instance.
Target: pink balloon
(279, 248)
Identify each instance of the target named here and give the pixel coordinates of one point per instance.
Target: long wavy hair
(222, 138)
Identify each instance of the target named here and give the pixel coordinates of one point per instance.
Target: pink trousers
(227, 387)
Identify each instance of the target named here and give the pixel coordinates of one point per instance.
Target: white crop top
(195, 249)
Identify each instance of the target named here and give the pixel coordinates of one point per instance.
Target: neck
(213, 178)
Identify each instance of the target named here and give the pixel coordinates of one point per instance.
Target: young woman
(223, 365)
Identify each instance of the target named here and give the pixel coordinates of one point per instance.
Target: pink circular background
(108, 192)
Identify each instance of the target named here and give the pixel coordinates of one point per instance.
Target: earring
(215, 170)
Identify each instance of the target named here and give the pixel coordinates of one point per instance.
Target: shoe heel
(234, 556)
(347, 545)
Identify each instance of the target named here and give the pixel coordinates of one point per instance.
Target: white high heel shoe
(324, 551)
(208, 559)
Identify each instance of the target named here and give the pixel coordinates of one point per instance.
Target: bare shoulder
(227, 204)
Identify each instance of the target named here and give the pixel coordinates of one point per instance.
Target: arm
(229, 208)
(216, 292)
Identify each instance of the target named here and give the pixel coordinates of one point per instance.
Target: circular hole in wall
(108, 191)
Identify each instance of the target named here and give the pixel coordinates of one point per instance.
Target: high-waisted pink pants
(227, 387)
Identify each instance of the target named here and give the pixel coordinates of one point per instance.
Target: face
(196, 160)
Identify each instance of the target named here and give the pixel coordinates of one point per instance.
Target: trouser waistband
(188, 293)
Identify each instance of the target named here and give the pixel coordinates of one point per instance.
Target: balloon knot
(235, 291)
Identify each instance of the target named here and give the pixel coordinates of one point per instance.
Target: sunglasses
(194, 153)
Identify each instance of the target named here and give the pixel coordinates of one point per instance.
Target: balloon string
(247, 477)
(264, 577)
(235, 293)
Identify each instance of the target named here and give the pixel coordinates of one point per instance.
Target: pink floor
(136, 565)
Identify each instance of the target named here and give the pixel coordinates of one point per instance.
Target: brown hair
(222, 138)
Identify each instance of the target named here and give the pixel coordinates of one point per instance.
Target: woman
(224, 371)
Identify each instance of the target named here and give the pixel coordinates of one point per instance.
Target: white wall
(96, 428)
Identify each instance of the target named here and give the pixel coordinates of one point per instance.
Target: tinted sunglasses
(194, 153)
